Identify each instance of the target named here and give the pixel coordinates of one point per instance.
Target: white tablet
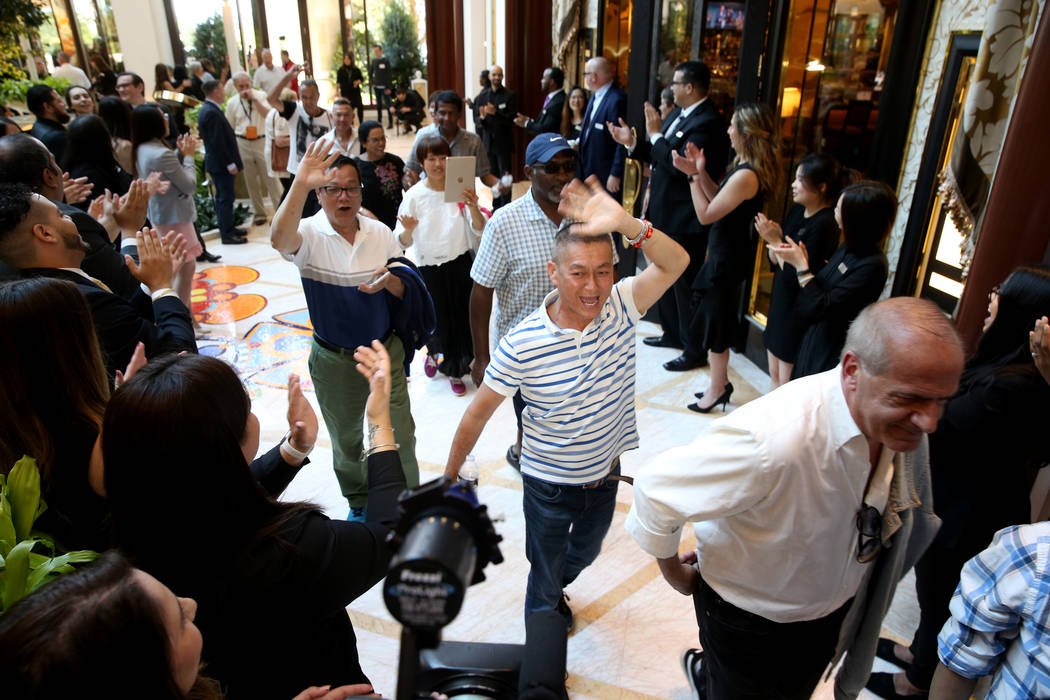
(459, 176)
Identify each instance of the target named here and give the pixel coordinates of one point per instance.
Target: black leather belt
(248, 139)
(332, 347)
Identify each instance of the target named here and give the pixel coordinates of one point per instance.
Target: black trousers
(748, 656)
(676, 306)
(499, 163)
(449, 285)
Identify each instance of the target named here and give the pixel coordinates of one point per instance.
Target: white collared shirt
(596, 101)
(682, 116)
(773, 489)
(352, 150)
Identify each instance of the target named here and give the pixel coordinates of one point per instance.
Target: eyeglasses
(993, 293)
(568, 166)
(869, 525)
(333, 191)
(680, 82)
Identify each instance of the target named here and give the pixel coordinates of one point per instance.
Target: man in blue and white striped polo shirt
(573, 361)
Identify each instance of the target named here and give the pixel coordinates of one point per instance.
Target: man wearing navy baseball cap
(512, 261)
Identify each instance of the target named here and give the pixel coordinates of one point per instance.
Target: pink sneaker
(458, 387)
(430, 367)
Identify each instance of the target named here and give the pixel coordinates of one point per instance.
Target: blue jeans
(224, 203)
(564, 528)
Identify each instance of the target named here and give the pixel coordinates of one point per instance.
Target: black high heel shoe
(723, 399)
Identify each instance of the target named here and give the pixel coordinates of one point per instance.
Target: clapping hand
(302, 421)
(769, 230)
(77, 190)
(374, 365)
(155, 268)
(1039, 344)
(592, 208)
(137, 362)
(621, 134)
(692, 162)
(155, 185)
(787, 251)
(653, 122)
(313, 168)
(130, 211)
(187, 144)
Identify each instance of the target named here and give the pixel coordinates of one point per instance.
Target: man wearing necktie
(599, 154)
(549, 120)
(693, 120)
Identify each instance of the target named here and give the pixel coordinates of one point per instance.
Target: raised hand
(374, 365)
(592, 208)
(175, 247)
(154, 268)
(621, 133)
(302, 421)
(187, 144)
(696, 155)
(409, 222)
(653, 122)
(1039, 345)
(792, 253)
(313, 168)
(768, 229)
(76, 191)
(137, 362)
(130, 211)
(155, 185)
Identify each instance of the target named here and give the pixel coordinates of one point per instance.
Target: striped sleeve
(505, 372)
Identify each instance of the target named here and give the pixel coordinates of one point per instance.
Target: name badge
(842, 268)
(599, 126)
(503, 106)
(678, 134)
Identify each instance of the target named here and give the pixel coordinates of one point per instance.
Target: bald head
(598, 71)
(496, 77)
(895, 329)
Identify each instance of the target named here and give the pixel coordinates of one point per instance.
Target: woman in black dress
(852, 278)
(811, 222)
(989, 437)
(349, 78)
(572, 113)
(730, 208)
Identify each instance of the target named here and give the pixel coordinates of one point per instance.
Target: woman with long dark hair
(811, 224)
(349, 78)
(572, 113)
(110, 630)
(116, 113)
(89, 153)
(982, 459)
(172, 210)
(272, 579)
(853, 277)
(55, 392)
(730, 208)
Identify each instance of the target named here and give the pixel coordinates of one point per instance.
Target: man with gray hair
(809, 504)
(246, 113)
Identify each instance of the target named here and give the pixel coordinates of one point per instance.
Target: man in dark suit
(25, 160)
(693, 120)
(222, 160)
(51, 118)
(39, 241)
(549, 120)
(496, 107)
(599, 154)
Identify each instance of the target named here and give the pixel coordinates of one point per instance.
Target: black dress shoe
(683, 363)
(661, 341)
(882, 685)
(885, 650)
(205, 256)
(234, 240)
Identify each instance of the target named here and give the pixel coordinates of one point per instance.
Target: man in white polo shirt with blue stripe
(573, 361)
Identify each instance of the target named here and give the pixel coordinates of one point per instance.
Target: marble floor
(630, 626)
